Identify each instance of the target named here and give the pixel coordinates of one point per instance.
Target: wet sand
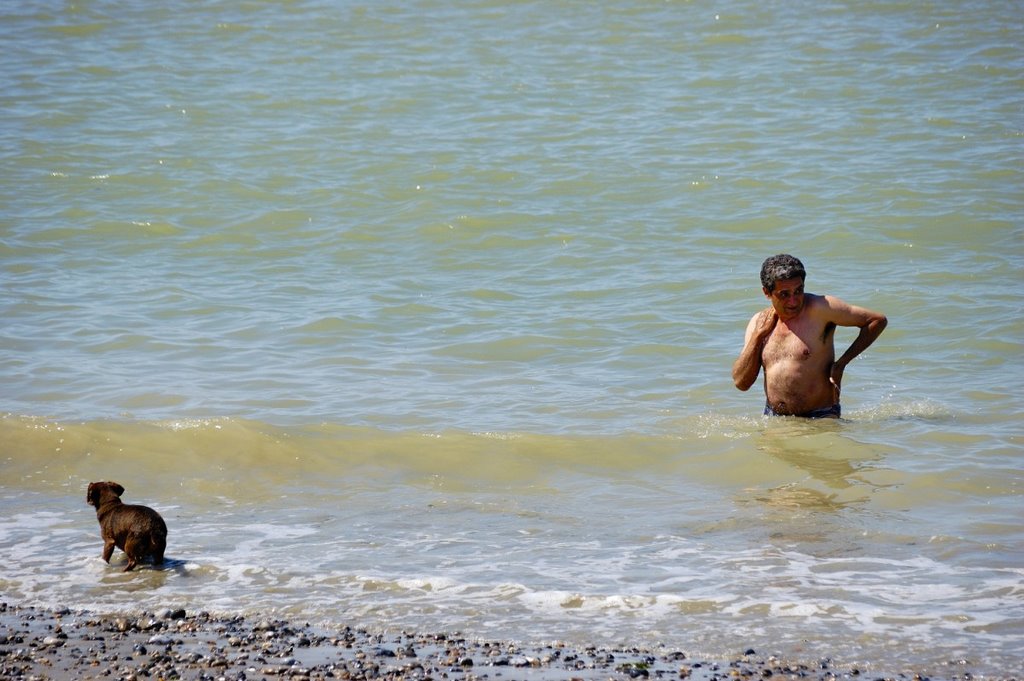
(172, 644)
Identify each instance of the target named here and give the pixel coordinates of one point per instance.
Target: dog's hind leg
(134, 549)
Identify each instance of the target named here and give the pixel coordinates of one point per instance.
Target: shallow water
(423, 316)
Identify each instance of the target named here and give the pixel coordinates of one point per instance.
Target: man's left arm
(871, 325)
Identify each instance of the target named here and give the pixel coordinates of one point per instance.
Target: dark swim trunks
(835, 411)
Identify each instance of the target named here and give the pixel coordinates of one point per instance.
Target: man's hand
(748, 364)
(836, 379)
(766, 322)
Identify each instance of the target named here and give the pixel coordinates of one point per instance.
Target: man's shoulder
(825, 302)
(830, 309)
(822, 307)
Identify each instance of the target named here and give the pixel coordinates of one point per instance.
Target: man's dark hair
(779, 267)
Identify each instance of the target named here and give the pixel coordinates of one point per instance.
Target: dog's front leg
(108, 549)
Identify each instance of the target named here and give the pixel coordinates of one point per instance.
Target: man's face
(787, 298)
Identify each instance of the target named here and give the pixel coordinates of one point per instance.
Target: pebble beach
(38, 644)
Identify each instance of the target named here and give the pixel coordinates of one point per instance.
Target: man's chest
(787, 344)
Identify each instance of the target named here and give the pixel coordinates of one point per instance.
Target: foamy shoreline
(172, 644)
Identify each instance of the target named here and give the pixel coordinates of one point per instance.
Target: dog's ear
(88, 493)
(117, 489)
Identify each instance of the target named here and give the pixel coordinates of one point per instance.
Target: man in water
(793, 341)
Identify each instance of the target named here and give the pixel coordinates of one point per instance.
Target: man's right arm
(748, 365)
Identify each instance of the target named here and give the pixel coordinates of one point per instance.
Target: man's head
(779, 267)
(782, 279)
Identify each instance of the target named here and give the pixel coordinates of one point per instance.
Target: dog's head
(98, 491)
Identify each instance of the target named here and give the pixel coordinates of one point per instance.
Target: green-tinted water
(424, 313)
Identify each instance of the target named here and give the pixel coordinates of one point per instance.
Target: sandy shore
(173, 644)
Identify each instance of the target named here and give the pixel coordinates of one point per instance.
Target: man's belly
(793, 388)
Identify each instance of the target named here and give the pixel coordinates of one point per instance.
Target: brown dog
(139, 531)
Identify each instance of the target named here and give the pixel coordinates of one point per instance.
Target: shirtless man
(793, 341)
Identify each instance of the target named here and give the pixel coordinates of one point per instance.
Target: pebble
(172, 644)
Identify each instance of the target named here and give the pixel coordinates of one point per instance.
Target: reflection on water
(821, 449)
(813, 499)
(801, 498)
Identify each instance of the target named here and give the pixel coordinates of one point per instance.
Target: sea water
(421, 315)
